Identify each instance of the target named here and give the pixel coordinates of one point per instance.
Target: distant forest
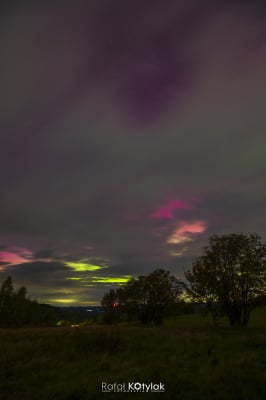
(18, 310)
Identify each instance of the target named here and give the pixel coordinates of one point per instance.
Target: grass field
(190, 357)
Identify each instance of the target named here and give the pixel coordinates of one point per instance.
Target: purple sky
(130, 131)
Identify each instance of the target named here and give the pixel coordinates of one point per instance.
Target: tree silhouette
(231, 272)
(17, 309)
(145, 297)
(6, 301)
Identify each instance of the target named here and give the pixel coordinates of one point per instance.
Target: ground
(191, 358)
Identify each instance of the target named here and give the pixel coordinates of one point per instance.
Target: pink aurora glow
(167, 211)
(186, 231)
(13, 256)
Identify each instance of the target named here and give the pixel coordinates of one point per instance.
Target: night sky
(130, 131)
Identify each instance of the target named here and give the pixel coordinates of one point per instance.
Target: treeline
(17, 309)
(147, 299)
(228, 279)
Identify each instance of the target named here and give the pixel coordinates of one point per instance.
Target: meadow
(194, 360)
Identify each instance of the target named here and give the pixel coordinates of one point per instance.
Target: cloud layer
(130, 132)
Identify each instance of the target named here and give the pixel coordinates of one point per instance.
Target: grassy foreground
(192, 359)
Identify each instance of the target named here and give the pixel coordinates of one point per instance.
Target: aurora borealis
(130, 131)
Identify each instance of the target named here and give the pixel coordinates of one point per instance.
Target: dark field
(190, 357)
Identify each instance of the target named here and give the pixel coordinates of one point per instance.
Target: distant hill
(75, 314)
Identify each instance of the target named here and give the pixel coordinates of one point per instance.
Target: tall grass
(192, 358)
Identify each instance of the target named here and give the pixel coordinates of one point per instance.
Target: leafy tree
(109, 300)
(154, 293)
(145, 297)
(232, 273)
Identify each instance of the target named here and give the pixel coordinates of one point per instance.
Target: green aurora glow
(83, 266)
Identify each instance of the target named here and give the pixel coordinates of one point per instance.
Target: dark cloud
(3, 263)
(39, 272)
(44, 253)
